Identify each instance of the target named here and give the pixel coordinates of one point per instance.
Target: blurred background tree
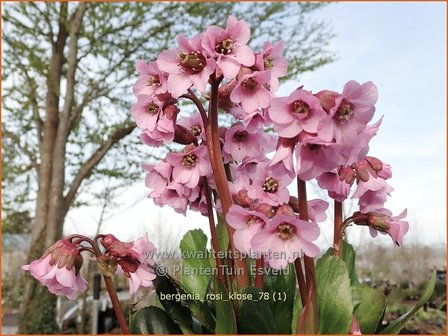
(67, 74)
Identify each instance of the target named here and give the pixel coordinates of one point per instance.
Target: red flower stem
(308, 262)
(116, 304)
(113, 295)
(259, 270)
(215, 154)
(300, 280)
(199, 106)
(215, 241)
(338, 229)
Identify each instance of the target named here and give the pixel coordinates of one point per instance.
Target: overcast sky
(401, 47)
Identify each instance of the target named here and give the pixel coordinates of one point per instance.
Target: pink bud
(285, 210)
(183, 135)
(265, 209)
(346, 174)
(327, 99)
(129, 265)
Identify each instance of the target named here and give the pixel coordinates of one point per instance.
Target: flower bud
(107, 265)
(265, 209)
(183, 135)
(379, 222)
(346, 174)
(224, 92)
(362, 170)
(129, 265)
(242, 199)
(375, 163)
(285, 209)
(327, 99)
(171, 111)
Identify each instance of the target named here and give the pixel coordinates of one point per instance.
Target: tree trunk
(38, 314)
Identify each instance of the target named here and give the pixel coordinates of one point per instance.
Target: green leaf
(255, 315)
(349, 257)
(334, 295)
(196, 265)
(296, 309)
(398, 324)
(370, 304)
(180, 314)
(282, 290)
(152, 320)
(225, 316)
(198, 308)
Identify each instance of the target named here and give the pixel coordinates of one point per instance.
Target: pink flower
(143, 249)
(367, 171)
(58, 270)
(315, 157)
(316, 210)
(286, 238)
(271, 59)
(238, 189)
(187, 65)
(270, 184)
(173, 199)
(372, 200)
(194, 124)
(283, 154)
(162, 133)
(147, 111)
(337, 182)
(246, 223)
(190, 165)
(138, 274)
(301, 111)
(358, 147)
(251, 91)
(351, 112)
(151, 81)
(241, 142)
(158, 177)
(382, 221)
(229, 46)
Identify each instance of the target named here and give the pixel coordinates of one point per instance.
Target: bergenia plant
(260, 273)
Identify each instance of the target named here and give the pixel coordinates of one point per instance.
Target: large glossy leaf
(349, 257)
(282, 291)
(173, 307)
(395, 326)
(370, 304)
(225, 316)
(152, 320)
(334, 295)
(255, 315)
(196, 266)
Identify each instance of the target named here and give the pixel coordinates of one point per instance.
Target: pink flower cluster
(323, 135)
(277, 234)
(59, 268)
(179, 180)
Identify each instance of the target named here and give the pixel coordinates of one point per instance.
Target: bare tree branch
(94, 159)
